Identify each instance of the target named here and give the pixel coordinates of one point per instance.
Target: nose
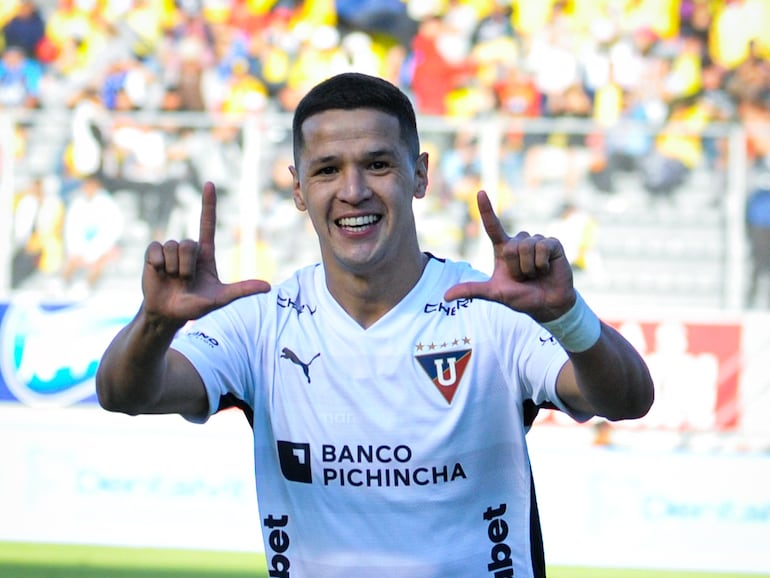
(354, 187)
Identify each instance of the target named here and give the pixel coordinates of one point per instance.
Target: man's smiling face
(356, 179)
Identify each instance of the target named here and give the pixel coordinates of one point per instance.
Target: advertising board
(73, 473)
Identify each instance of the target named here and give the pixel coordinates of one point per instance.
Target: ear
(421, 176)
(296, 190)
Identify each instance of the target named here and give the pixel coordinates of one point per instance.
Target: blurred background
(636, 131)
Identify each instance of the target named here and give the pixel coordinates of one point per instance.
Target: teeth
(358, 221)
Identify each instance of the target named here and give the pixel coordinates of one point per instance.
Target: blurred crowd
(676, 65)
(456, 57)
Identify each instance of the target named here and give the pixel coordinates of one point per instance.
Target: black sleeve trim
(229, 401)
(530, 410)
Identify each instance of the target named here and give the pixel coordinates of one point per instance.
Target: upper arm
(170, 385)
(183, 390)
(611, 379)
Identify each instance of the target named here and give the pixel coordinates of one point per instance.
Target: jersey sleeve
(531, 357)
(221, 347)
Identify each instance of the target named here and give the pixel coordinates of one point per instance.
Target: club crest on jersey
(444, 368)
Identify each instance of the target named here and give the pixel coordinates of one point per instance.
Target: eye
(378, 165)
(327, 170)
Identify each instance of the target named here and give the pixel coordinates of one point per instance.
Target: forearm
(606, 376)
(134, 369)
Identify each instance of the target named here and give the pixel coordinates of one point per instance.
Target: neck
(366, 298)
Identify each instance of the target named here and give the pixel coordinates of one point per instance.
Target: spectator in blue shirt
(19, 79)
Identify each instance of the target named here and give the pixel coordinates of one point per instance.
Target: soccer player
(389, 390)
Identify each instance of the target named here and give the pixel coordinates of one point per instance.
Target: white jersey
(396, 450)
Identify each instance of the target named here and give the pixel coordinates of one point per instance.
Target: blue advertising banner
(49, 352)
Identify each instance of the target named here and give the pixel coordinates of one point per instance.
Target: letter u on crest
(441, 377)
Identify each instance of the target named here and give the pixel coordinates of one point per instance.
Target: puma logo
(287, 353)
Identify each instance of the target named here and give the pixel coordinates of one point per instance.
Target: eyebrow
(370, 155)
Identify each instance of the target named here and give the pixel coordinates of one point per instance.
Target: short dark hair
(353, 90)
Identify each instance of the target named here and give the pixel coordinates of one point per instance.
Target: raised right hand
(531, 272)
(180, 280)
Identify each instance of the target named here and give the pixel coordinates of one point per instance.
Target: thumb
(469, 290)
(232, 291)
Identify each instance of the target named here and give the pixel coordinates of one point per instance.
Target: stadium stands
(175, 69)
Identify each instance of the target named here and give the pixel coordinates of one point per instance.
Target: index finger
(208, 223)
(490, 220)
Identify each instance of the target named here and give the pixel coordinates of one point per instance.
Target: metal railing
(527, 192)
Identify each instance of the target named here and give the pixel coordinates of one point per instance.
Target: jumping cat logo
(287, 353)
(445, 368)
